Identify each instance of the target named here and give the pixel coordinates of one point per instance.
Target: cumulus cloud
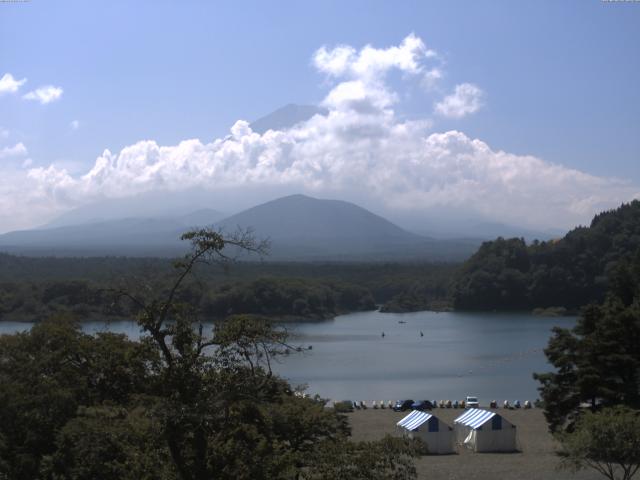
(466, 99)
(431, 78)
(45, 94)
(359, 150)
(18, 150)
(8, 84)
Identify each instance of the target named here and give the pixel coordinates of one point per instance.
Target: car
(422, 405)
(402, 405)
(472, 402)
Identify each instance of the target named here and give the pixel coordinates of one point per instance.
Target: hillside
(305, 228)
(569, 272)
(128, 236)
(300, 228)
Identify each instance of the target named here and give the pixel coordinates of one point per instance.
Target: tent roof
(475, 418)
(414, 420)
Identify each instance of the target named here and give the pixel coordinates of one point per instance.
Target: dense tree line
(273, 297)
(508, 274)
(288, 297)
(182, 403)
(597, 363)
(32, 289)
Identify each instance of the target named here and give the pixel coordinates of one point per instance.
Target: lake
(490, 355)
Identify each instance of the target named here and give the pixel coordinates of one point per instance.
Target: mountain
(127, 236)
(286, 117)
(165, 205)
(306, 228)
(299, 227)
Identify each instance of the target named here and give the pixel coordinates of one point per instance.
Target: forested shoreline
(33, 289)
(571, 272)
(559, 276)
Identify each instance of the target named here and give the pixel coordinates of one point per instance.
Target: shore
(536, 459)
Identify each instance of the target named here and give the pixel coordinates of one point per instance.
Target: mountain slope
(299, 216)
(300, 228)
(286, 117)
(127, 236)
(305, 228)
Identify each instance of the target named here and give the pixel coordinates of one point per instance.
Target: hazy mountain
(128, 236)
(165, 205)
(299, 227)
(286, 117)
(303, 228)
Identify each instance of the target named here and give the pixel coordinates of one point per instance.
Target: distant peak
(286, 117)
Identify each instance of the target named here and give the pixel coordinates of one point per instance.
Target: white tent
(485, 431)
(436, 434)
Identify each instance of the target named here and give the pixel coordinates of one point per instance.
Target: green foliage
(33, 289)
(606, 441)
(598, 361)
(109, 443)
(181, 404)
(389, 458)
(570, 272)
(288, 298)
(48, 373)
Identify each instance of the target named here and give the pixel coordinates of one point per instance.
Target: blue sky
(559, 79)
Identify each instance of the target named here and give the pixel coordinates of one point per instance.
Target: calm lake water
(491, 355)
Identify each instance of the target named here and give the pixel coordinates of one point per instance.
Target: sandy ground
(536, 459)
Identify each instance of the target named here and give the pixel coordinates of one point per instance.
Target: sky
(520, 112)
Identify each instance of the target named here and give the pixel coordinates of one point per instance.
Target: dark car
(422, 405)
(402, 405)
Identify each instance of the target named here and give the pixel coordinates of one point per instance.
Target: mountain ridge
(301, 228)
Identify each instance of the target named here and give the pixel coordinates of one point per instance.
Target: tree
(598, 361)
(180, 404)
(48, 373)
(606, 441)
(221, 410)
(387, 459)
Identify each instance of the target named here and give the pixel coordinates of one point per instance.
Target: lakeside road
(535, 461)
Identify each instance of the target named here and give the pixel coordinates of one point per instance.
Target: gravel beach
(536, 459)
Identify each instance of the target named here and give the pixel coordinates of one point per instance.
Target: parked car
(402, 405)
(472, 402)
(422, 405)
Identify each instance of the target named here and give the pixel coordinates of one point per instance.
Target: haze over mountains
(299, 227)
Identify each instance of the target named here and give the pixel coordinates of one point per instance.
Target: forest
(571, 272)
(32, 289)
(505, 274)
(181, 403)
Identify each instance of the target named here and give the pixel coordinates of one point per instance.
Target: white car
(472, 402)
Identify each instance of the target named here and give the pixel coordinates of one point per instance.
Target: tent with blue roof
(485, 431)
(436, 434)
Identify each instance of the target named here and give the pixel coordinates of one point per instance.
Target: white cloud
(362, 73)
(45, 94)
(466, 99)
(431, 78)
(18, 150)
(360, 150)
(75, 125)
(8, 84)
